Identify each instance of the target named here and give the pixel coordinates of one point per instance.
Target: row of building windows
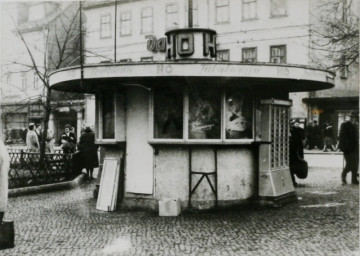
(277, 54)
(249, 55)
(24, 81)
(278, 8)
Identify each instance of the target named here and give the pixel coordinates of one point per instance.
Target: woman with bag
(88, 150)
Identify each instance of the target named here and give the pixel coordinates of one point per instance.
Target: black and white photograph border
(179, 127)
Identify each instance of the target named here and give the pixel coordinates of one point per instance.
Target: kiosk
(207, 133)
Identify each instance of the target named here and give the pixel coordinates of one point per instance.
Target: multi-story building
(277, 31)
(42, 25)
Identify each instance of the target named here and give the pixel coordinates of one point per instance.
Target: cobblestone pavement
(325, 221)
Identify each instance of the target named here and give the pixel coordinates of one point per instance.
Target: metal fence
(26, 169)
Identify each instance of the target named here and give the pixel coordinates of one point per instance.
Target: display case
(274, 174)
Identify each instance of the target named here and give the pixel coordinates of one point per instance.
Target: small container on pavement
(169, 207)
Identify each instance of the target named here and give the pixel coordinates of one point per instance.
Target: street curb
(48, 187)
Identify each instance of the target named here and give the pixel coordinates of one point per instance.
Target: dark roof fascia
(330, 99)
(99, 4)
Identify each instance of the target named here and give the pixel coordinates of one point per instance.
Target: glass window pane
(238, 113)
(108, 115)
(204, 112)
(168, 113)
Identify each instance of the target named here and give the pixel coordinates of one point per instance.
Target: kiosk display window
(201, 114)
(108, 116)
(168, 113)
(238, 114)
(204, 113)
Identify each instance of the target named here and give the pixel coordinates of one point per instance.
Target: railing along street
(26, 169)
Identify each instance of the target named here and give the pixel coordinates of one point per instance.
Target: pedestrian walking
(317, 135)
(68, 140)
(4, 169)
(329, 138)
(310, 136)
(88, 151)
(296, 154)
(32, 141)
(349, 145)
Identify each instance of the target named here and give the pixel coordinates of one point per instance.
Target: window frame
(343, 69)
(142, 19)
(223, 51)
(147, 59)
(185, 139)
(102, 23)
(121, 22)
(285, 54)
(272, 15)
(125, 60)
(36, 81)
(23, 81)
(99, 103)
(167, 13)
(248, 48)
(249, 3)
(217, 6)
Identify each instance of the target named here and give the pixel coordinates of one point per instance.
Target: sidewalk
(318, 158)
(325, 221)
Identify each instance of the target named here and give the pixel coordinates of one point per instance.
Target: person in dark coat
(88, 151)
(310, 138)
(329, 138)
(68, 140)
(296, 148)
(349, 144)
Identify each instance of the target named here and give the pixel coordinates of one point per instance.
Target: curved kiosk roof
(291, 78)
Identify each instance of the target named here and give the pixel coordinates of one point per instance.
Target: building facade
(275, 31)
(45, 27)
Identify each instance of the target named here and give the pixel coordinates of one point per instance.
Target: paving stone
(324, 222)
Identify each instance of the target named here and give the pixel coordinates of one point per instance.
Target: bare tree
(337, 32)
(61, 48)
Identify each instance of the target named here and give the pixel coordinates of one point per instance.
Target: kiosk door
(139, 154)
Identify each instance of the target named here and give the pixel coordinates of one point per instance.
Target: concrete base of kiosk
(277, 201)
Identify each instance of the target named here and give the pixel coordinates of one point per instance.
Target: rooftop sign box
(185, 44)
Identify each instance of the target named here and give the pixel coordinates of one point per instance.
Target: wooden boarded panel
(109, 185)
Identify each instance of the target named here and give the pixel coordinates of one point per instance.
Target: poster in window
(168, 113)
(238, 115)
(204, 112)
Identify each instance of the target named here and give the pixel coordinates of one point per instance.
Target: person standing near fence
(38, 132)
(68, 140)
(32, 141)
(4, 170)
(349, 144)
(49, 142)
(88, 151)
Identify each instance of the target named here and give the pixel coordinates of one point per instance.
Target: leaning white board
(109, 185)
